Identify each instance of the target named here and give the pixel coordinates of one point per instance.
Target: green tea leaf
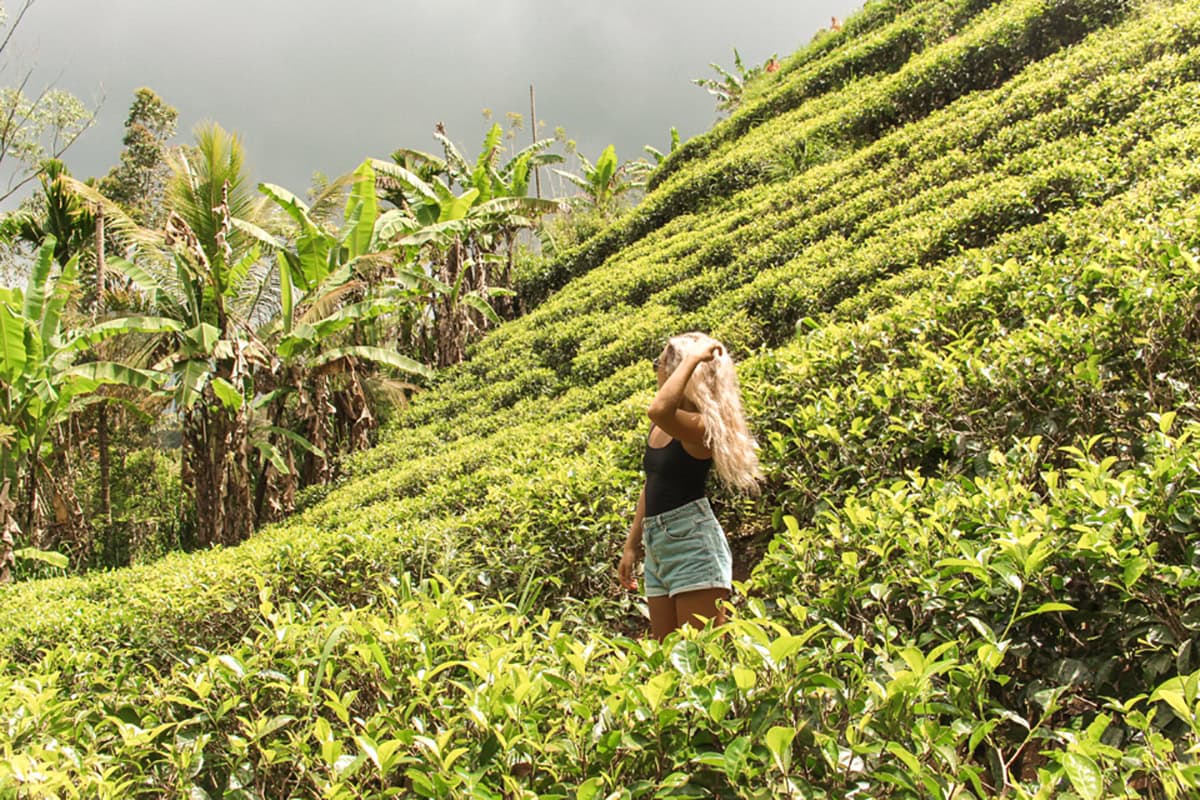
(1083, 774)
(779, 743)
(1047, 608)
(744, 678)
(657, 687)
(589, 789)
(902, 753)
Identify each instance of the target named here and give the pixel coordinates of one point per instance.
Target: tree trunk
(33, 517)
(9, 531)
(533, 132)
(508, 305)
(355, 411)
(318, 422)
(98, 303)
(217, 448)
(451, 330)
(70, 526)
(105, 466)
(264, 474)
(102, 410)
(287, 492)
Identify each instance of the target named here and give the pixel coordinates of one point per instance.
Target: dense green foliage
(967, 315)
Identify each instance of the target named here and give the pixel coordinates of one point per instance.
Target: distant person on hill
(697, 422)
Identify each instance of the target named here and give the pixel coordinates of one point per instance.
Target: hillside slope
(955, 247)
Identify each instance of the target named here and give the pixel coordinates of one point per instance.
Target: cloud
(315, 85)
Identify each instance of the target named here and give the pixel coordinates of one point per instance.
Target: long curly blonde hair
(713, 389)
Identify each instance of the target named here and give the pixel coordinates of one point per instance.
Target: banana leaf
(45, 556)
(362, 209)
(458, 207)
(228, 394)
(297, 439)
(408, 178)
(258, 234)
(86, 338)
(271, 453)
(482, 306)
(391, 224)
(61, 293)
(376, 355)
(39, 278)
(109, 372)
(13, 356)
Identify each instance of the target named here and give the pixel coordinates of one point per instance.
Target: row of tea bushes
(1087, 344)
(829, 212)
(876, 43)
(519, 497)
(958, 604)
(997, 45)
(422, 512)
(387, 516)
(932, 638)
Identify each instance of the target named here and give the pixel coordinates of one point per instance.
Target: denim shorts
(686, 551)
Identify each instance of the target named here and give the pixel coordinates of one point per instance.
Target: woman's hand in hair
(706, 351)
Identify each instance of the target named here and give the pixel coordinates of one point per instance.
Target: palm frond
(325, 305)
(328, 202)
(117, 223)
(213, 178)
(257, 297)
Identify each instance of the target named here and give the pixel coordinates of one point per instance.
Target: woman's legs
(662, 616)
(696, 608)
(693, 608)
(686, 547)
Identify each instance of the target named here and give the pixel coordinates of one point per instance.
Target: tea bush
(933, 638)
(967, 346)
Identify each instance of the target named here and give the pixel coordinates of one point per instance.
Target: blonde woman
(698, 423)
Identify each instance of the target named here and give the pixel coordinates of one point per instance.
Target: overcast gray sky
(320, 85)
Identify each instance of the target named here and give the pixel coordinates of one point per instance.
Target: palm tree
(206, 274)
(254, 332)
(77, 226)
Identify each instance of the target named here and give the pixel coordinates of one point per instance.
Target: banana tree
(456, 237)
(604, 183)
(331, 283)
(658, 155)
(440, 230)
(493, 178)
(42, 382)
(731, 88)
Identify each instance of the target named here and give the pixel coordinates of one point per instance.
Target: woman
(697, 423)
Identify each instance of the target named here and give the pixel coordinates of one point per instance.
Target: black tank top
(673, 477)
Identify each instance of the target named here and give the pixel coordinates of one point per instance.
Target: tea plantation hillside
(956, 248)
